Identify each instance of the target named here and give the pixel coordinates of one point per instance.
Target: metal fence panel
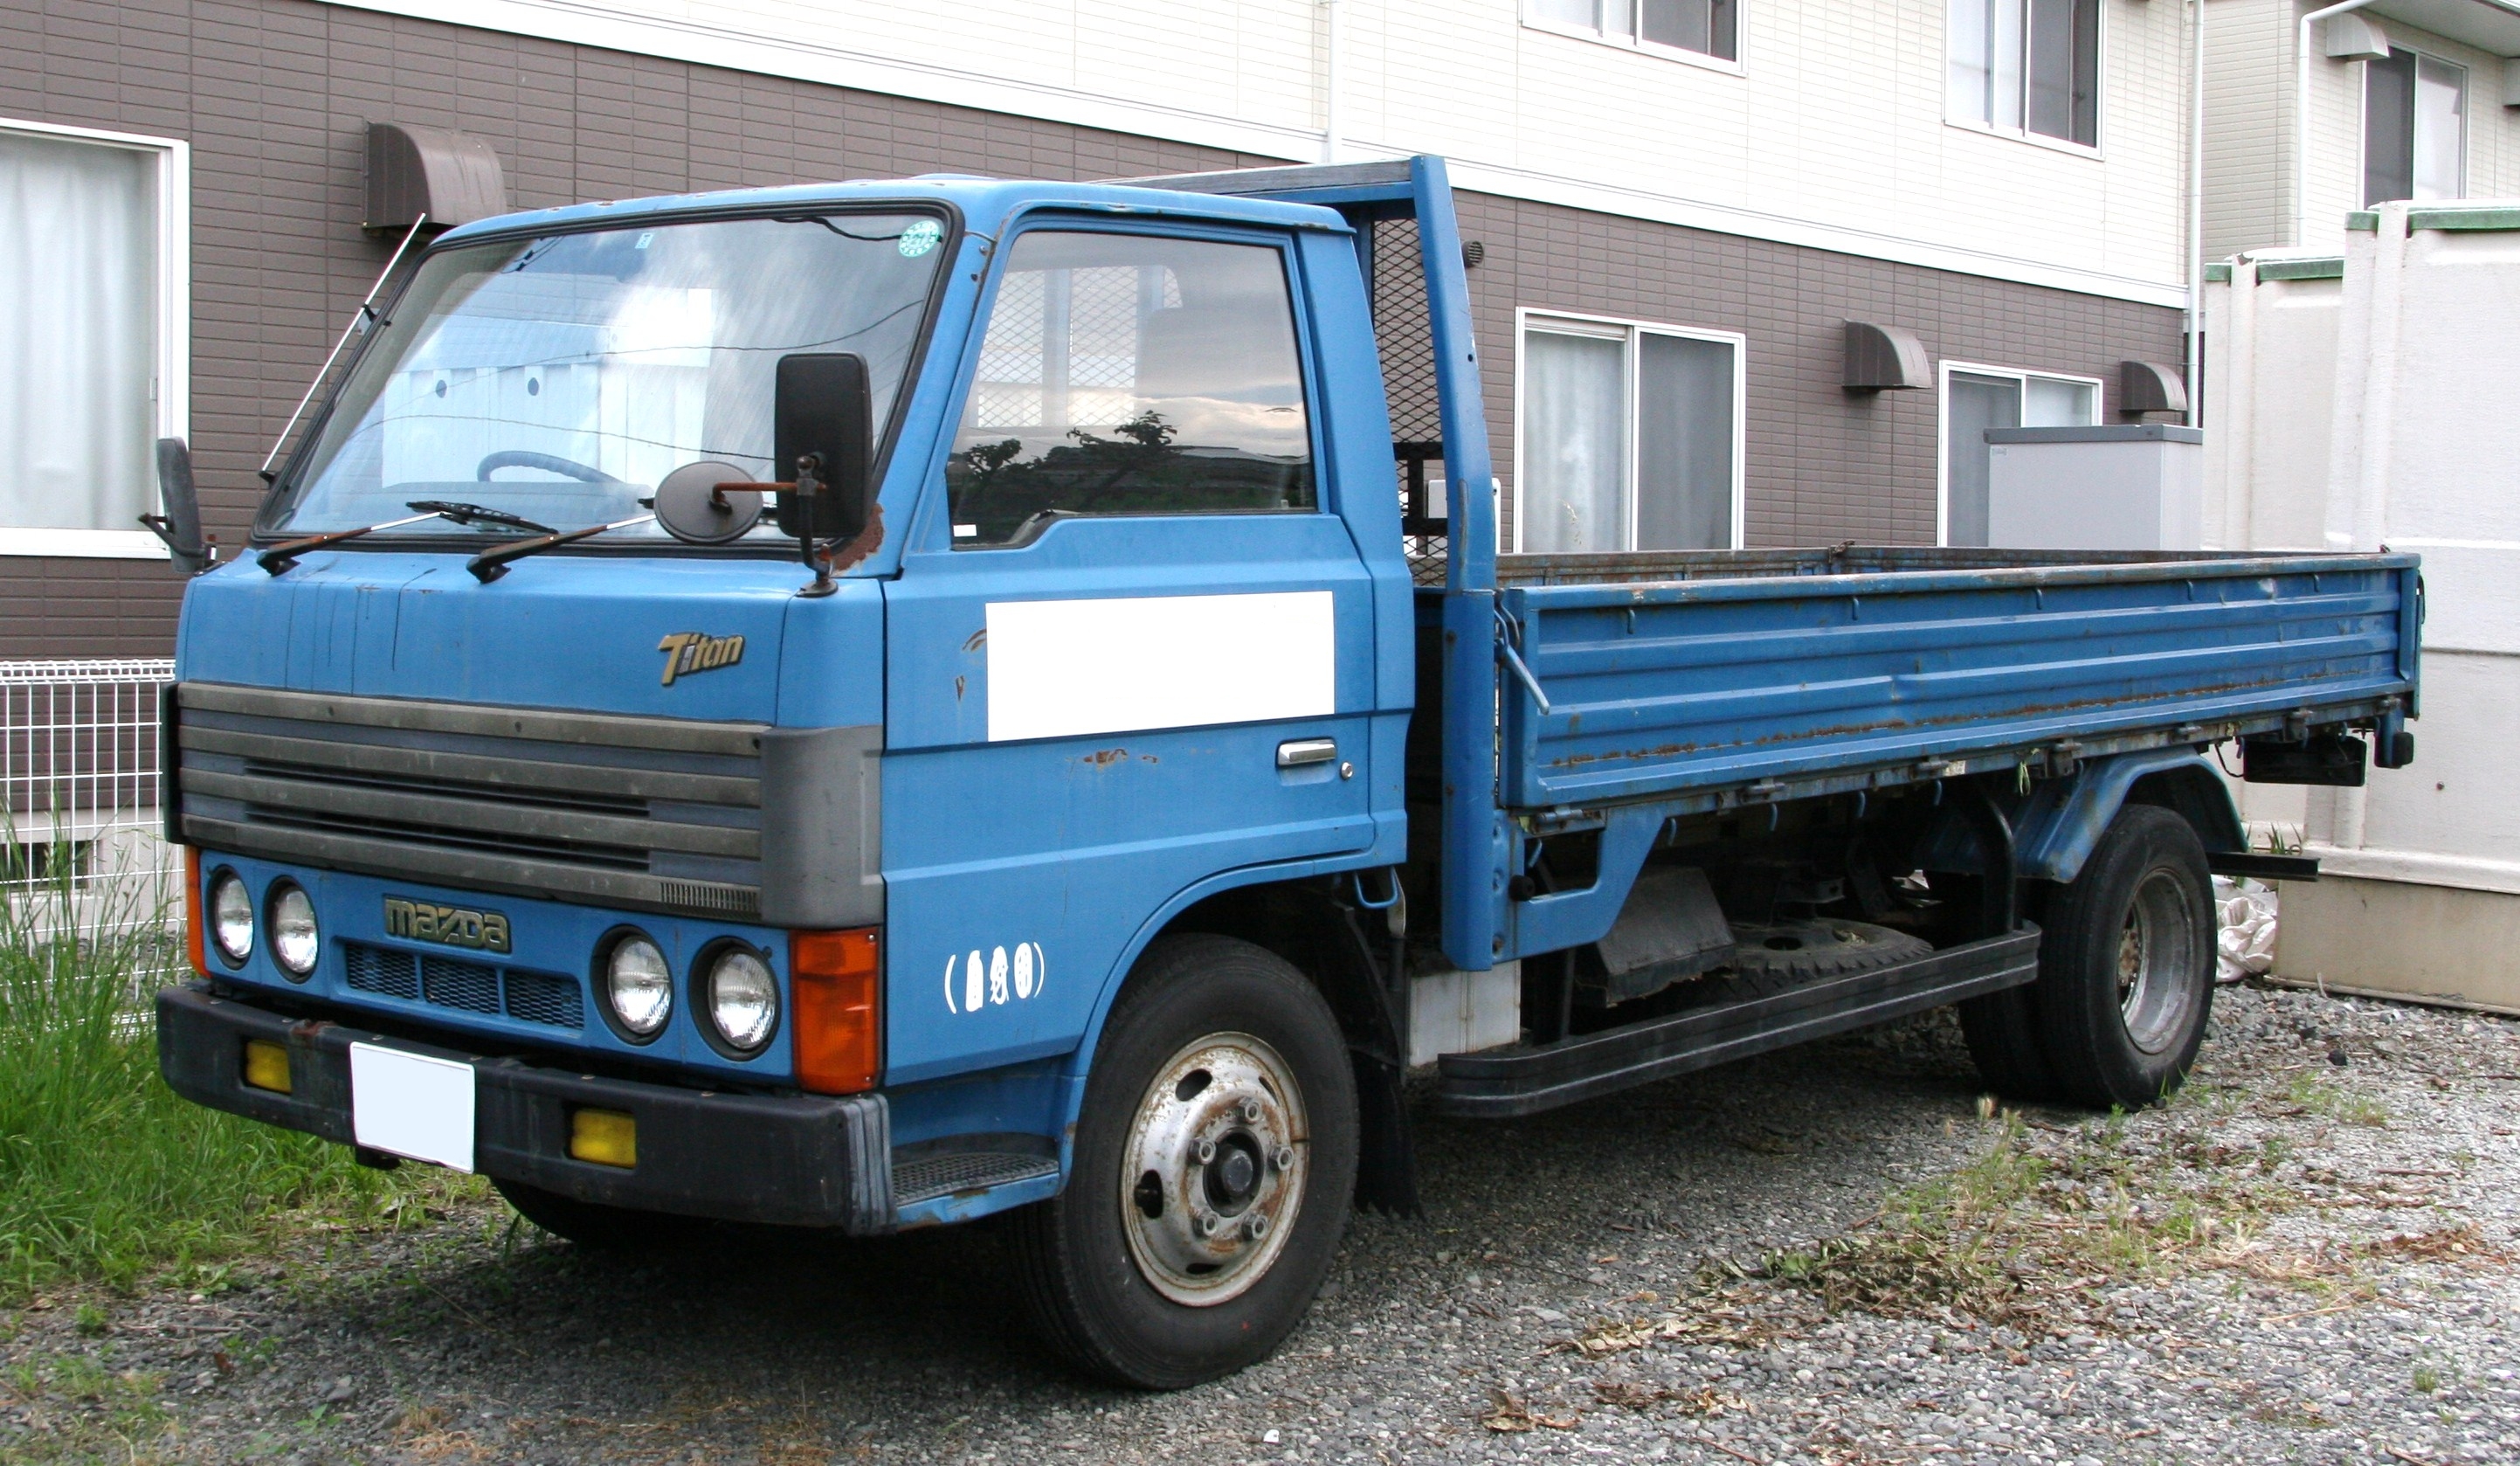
(80, 844)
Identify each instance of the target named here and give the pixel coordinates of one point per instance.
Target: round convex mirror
(691, 510)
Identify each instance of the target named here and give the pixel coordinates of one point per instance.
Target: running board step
(926, 1177)
(1501, 1084)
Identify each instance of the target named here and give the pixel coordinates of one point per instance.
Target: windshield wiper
(490, 565)
(281, 557)
(474, 514)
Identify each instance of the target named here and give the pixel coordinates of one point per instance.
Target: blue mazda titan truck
(867, 707)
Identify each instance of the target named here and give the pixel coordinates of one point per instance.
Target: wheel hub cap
(2157, 980)
(1214, 1168)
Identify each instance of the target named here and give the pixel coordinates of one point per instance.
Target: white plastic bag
(2246, 945)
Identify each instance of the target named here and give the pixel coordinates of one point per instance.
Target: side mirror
(180, 526)
(824, 411)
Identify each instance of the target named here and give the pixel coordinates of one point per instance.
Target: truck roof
(983, 202)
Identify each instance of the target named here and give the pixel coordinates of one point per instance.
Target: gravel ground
(1837, 1254)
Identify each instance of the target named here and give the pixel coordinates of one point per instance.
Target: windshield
(558, 379)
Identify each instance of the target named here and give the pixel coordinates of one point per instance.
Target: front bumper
(796, 1161)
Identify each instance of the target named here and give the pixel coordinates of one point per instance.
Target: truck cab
(699, 876)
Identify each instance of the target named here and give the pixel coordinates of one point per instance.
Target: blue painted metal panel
(2056, 831)
(1023, 872)
(572, 631)
(1658, 689)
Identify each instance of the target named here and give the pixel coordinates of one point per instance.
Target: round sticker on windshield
(920, 238)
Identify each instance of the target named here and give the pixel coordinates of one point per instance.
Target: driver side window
(1131, 375)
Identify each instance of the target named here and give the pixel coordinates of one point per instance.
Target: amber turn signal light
(607, 1137)
(193, 912)
(266, 1065)
(839, 1024)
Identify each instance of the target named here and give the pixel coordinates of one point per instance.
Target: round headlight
(638, 987)
(231, 917)
(743, 998)
(293, 939)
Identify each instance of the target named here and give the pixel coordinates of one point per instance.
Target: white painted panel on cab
(1063, 668)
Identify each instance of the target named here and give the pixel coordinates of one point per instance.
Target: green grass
(105, 1174)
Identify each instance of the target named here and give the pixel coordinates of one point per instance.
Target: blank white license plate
(412, 1105)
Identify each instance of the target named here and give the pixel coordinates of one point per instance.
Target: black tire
(2003, 1034)
(1825, 946)
(1094, 1276)
(2126, 964)
(594, 1226)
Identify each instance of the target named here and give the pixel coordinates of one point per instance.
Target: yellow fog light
(266, 1065)
(607, 1137)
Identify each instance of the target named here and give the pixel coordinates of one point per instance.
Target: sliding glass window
(1629, 437)
(2026, 66)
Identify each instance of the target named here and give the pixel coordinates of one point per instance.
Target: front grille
(373, 969)
(473, 986)
(656, 813)
(546, 997)
(541, 997)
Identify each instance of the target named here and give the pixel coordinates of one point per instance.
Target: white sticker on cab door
(1064, 668)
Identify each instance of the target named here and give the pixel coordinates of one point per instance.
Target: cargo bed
(1701, 679)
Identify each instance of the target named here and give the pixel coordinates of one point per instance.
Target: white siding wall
(2250, 119)
(1829, 132)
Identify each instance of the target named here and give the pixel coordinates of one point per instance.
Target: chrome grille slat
(659, 813)
(671, 734)
(565, 826)
(475, 768)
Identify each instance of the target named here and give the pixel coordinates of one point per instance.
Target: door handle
(1298, 752)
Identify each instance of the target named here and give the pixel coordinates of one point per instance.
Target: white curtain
(78, 312)
(1574, 444)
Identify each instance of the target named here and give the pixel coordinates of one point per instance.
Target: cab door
(1138, 652)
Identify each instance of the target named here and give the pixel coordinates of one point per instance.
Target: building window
(91, 337)
(1706, 28)
(2027, 66)
(1628, 437)
(1976, 398)
(2414, 129)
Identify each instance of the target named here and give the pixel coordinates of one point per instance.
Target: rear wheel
(2003, 1034)
(1213, 1165)
(2125, 966)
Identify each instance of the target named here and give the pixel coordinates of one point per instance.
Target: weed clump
(104, 1173)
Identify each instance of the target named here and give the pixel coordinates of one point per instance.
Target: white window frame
(2097, 148)
(1734, 66)
(1943, 423)
(1528, 318)
(172, 413)
(2362, 117)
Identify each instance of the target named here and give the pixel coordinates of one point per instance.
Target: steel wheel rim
(1212, 1174)
(2157, 961)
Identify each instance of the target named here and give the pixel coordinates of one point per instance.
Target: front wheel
(1213, 1167)
(2126, 964)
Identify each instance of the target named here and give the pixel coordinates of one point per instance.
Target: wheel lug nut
(1251, 1112)
(1206, 1152)
(1204, 1224)
(1285, 1157)
(1255, 1227)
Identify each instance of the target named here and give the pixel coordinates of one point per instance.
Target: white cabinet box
(2129, 487)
